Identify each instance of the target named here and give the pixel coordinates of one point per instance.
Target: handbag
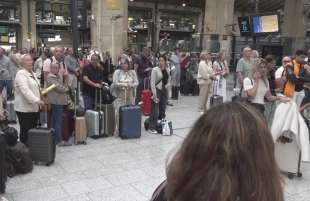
(167, 128)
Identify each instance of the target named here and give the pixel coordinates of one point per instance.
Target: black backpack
(11, 136)
(18, 159)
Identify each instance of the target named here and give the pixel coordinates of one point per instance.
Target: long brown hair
(227, 156)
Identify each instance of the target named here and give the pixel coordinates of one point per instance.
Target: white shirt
(261, 90)
(279, 72)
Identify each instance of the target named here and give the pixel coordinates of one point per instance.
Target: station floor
(112, 169)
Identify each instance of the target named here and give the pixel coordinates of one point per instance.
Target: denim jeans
(57, 121)
(8, 84)
(89, 102)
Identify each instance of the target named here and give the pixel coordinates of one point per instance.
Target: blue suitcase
(130, 122)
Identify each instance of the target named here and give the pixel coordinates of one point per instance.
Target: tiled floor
(112, 169)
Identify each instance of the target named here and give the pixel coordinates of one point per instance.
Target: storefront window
(178, 21)
(10, 11)
(54, 13)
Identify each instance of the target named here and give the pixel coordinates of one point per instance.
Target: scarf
(289, 88)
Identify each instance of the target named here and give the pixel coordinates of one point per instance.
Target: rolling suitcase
(11, 111)
(129, 121)
(80, 131)
(109, 119)
(95, 119)
(3, 166)
(42, 145)
(215, 99)
(146, 97)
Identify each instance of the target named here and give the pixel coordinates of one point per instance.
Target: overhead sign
(244, 26)
(113, 4)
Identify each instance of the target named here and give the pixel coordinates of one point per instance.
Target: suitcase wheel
(299, 174)
(290, 175)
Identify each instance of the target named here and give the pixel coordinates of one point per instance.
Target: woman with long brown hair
(231, 161)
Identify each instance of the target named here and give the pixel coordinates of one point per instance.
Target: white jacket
(27, 92)
(205, 71)
(288, 118)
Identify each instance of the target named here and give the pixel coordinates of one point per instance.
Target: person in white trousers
(204, 79)
(220, 66)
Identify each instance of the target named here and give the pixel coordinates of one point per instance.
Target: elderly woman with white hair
(27, 97)
(204, 79)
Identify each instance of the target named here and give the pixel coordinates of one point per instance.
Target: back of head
(227, 156)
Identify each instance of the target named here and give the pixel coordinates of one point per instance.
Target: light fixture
(184, 4)
(131, 0)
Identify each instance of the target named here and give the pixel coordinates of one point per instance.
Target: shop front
(9, 24)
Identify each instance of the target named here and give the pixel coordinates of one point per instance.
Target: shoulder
(247, 83)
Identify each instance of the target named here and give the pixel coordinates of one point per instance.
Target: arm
(135, 79)
(59, 86)
(249, 87)
(70, 65)
(292, 77)
(89, 82)
(153, 84)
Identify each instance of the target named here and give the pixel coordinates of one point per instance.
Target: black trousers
(27, 121)
(158, 110)
(183, 79)
(175, 92)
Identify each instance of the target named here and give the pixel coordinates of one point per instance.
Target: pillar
(28, 24)
(218, 22)
(294, 26)
(106, 28)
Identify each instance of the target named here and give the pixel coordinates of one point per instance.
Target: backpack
(11, 136)
(18, 159)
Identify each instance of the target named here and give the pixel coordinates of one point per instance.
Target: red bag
(146, 97)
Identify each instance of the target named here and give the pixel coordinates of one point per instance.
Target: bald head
(286, 60)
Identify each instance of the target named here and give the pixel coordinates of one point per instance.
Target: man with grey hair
(6, 77)
(72, 66)
(58, 58)
(245, 64)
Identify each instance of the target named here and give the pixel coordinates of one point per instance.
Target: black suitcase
(130, 122)
(3, 166)
(42, 145)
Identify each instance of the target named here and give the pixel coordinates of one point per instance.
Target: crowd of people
(230, 157)
(25, 74)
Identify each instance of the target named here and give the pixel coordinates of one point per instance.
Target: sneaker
(67, 144)
(62, 144)
(153, 131)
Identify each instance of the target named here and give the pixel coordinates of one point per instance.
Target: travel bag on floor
(109, 119)
(3, 166)
(288, 156)
(42, 145)
(80, 130)
(18, 156)
(215, 99)
(95, 118)
(130, 122)
(146, 98)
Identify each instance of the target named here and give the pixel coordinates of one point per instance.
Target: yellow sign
(113, 4)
